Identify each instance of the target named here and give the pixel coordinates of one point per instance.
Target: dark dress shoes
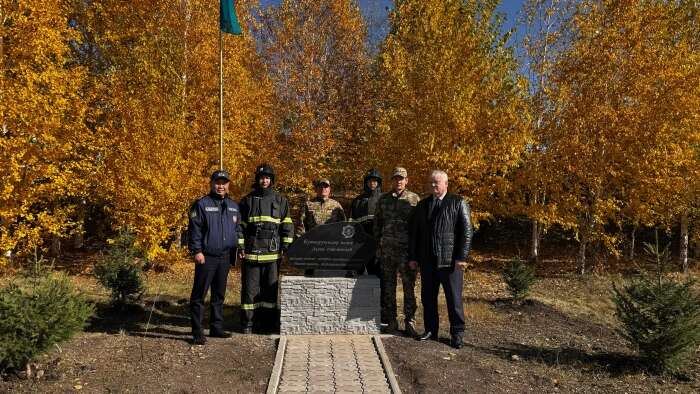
(456, 341)
(427, 335)
(199, 340)
(219, 334)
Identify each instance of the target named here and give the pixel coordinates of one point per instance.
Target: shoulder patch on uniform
(211, 209)
(193, 213)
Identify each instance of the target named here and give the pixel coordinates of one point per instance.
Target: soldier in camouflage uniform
(321, 209)
(391, 230)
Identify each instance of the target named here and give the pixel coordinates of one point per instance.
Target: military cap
(323, 181)
(399, 171)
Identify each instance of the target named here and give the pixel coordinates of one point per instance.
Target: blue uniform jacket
(215, 223)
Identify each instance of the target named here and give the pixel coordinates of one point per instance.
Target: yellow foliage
(623, 129)
(453, 98)
(47, 152)
(113, 105)
(160, 113)
(317, 58)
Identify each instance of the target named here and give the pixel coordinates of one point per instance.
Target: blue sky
(377, 10)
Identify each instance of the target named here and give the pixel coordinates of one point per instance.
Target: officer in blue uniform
(214, 227)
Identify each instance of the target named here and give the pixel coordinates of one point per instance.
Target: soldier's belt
(363, 218)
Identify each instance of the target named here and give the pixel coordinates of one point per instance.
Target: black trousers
(213, 273)
(452, 281)
(259, 294)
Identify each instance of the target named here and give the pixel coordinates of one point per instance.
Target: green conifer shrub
(120, 270)
(36, 315)
(519, 277)
(660, 317)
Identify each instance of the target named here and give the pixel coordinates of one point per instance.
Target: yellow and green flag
(227, 18)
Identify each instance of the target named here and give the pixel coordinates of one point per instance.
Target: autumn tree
(544, 37)
(623, 129)
(160, 117)
(47, 151)
(454, 99)
(317, 58)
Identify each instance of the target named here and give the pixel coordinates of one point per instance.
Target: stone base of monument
(329, 305)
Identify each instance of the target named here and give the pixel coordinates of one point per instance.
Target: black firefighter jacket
(267, 225)
(444, 236)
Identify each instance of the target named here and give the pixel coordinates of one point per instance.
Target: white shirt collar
(440, 197)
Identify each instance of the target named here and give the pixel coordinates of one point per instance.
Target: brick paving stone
(349, 383)
(295, 369)
(346, 370)
(297, 384)
(294, 379)
(372, 376)
(332, 364)
(371, 371)
(322, 387)
(339, 375)
(321, 378)
(349, 390)
(294, 375)
(378, 390)
(292, 388)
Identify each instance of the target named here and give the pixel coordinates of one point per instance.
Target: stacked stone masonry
(329, 305)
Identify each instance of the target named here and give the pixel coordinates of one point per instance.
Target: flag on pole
(227, 18)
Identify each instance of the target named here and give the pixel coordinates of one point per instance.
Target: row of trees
(590, 121)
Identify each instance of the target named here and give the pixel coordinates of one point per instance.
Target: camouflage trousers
(393, 262)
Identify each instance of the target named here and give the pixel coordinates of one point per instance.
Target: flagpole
(221, 100)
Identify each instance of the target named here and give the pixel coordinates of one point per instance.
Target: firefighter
(267, 232)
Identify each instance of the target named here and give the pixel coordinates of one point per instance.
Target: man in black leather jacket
(440, 234)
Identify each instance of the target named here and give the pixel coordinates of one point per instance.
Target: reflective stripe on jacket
(266, 225)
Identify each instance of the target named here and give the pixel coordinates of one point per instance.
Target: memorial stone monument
(330, 302)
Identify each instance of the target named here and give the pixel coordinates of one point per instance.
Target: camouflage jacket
(317, 211)
(392, 215)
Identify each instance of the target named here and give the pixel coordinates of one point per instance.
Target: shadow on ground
(164, 317)
(615, 363)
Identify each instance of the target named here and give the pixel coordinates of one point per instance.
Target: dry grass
(585, 297)
(479, 312)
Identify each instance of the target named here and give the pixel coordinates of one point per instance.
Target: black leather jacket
(443, 238)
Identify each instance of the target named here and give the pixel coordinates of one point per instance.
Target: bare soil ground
(562, 340)
(146, 348)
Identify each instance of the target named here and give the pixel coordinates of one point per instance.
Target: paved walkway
(332, 364)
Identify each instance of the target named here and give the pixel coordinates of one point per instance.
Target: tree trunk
(182, 237)
(582, 254)
(78, 239)
(55, 249)
(535, 242)
(684, 242)
(633, 241)
(183, 77)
